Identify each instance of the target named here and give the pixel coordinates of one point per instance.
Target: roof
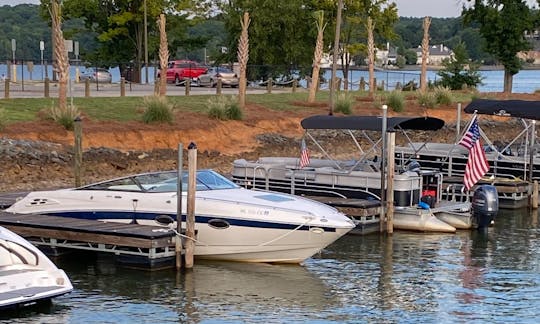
(372, 123)
(510, 108)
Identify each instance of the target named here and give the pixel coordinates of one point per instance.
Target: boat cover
(371, 123)
(510, 108)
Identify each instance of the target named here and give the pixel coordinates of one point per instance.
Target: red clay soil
(220, 141)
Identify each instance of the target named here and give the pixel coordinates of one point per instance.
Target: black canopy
(511, 108)
(372, 123)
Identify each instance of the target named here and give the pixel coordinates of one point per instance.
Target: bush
(395, 100)
(224, 108)
(426, 99)
(157, 110)
(344, 103)
(443, 96)
(65, 117)
(2, 119)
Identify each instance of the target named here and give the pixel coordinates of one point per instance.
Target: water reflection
(406, 277)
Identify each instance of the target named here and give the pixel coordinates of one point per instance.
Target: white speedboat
(27, 276)
(232, 223)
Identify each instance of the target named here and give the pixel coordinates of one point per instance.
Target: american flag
(304, 154)
(477, 164)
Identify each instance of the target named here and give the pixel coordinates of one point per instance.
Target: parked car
(96, 75)
(211, 77)
(180, 70)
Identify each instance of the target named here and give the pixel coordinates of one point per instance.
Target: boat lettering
(259, 212)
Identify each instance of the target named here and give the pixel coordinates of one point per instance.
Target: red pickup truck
(182, 69)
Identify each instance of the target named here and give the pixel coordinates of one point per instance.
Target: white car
(211, 77)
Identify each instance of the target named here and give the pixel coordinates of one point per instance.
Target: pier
(151, 247)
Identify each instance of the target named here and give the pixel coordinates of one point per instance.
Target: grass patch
(426, 99)
(395, 100)
(344, 103)
(66, 117)
(157, 109)
(224, 108)
(443, 96)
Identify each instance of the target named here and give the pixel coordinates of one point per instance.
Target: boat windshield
(14, 253)
(164, 182)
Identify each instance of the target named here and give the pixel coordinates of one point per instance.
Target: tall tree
(503, 24)
(425, 54)
(243, 57)
(317, 55)
(163, 53)
(459, 71)
(62, 63)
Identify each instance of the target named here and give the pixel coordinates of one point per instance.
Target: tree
(163, 53)
(459, 71)
(503, 24)
(425, 54)
(317, 55)
(243, 57)
(62, 64)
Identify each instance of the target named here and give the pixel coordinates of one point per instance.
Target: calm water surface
(405, 278)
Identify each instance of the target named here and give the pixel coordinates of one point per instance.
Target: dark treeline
(25, 24)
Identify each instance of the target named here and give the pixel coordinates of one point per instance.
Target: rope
(162, 230)
(286, 234)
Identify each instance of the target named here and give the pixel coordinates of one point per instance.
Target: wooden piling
(294, 85)
(87, 88)
(46, 89)
(391, 144)
(187, 85)
(269, 86)
(190, 218)
(534, 195)
(77, 130)
(122, 87)
(178, 245)
(6, 89)
(219, 86)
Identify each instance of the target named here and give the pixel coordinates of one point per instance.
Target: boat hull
(422, 220)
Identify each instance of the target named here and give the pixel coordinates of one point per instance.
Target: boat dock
(150, 247)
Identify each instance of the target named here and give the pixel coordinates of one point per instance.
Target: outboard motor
(485, 205)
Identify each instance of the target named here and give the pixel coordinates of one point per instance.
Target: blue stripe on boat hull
(128, 216)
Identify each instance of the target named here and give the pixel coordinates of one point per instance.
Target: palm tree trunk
(425, 54)
(62, 62)
(317, 55)
(243, 56)
(163, 55)
(371, 56)
(508, 82)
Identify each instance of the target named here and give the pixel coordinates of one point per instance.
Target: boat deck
(134, 244)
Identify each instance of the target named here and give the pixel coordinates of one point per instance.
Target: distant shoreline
(432, 68)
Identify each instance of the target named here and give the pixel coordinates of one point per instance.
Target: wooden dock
(366, 214)
(136, 245)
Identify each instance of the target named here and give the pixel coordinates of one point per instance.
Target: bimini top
(371, 123)
(509, 108)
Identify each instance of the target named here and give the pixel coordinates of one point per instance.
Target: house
(437, 53)
(387, 56)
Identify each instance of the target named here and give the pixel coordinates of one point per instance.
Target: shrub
(344, 103)
(443, 96)
(157, 109)
(63, 117)
(2, 118)
(426, 99)
(224, 108)
(395, 100)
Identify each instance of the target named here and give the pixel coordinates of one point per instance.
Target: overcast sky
(406, 8)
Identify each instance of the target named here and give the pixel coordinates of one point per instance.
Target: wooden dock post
(190, 218)
(269, 86)
(122, 87)
(87, 88)
(77, 133)
(178, 245)
(187, 85)
(391, 143)
(534, 195)
(219, 85)
(6, 89)
(382, 168)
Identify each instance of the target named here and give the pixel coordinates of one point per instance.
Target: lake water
(526, 81)
(405, 278)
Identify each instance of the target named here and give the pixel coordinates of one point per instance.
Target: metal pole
(334, 58)
(179, 207)
(145, 43)
(531, 150)
(458, 122)
(383, 165)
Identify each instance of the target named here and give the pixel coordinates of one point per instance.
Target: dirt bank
(115, 148)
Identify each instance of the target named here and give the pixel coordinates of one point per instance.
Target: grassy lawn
(130, 108)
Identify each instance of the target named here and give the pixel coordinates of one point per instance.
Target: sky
(406, 8)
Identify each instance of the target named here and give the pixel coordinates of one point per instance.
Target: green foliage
(344, 103)
(2, 118)
(224, 108)
(426, 99)
(443, 96)
(395, 100)
(64, 117)
(503, 24)
(157, 110)
(459, 71)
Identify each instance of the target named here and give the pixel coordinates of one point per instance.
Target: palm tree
(243, 56)
(317, 55)
(62, 62)
(163, 55)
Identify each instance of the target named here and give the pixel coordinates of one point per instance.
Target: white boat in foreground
(27, 276)
(232, 223)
